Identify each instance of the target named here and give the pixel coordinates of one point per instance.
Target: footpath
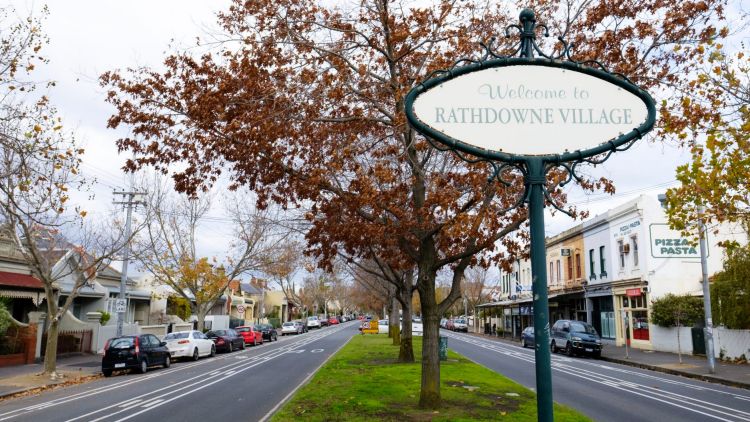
(27, 379)
(696, 367)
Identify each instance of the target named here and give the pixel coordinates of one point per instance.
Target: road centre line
(150, 376)
(628, 386)
(239, 367)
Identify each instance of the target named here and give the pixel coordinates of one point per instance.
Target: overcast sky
(88, 38)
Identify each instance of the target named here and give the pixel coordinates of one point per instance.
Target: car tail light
(137, 346)
(183, 342)
(106, 345)
(220, 341)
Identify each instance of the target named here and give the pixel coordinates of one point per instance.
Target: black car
(134, 352)
(575, 337)
(269, 333)
(527, 337)
(226, 340)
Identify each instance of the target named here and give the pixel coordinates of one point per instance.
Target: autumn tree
(678, 311)
(168, 246)
(712, 116)
(303, 102)
(39, 168)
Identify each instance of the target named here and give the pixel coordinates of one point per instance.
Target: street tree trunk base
(406, 351)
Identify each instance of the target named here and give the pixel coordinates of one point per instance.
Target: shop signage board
(668, 243)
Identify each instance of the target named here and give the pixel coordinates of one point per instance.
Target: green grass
(364, 383)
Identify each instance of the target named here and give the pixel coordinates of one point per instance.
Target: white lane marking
(153, 403)
(316, 350)
(129, 403)
(630, 386)
(742, 398)
(241, 366)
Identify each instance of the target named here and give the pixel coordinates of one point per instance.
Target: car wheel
(195, 354)
(282, 334)
(167, 361)
(255, 341)
(231, 347)
(552, 347)
(597, 355)
(523, 343)
(275, 337)
(144, 367)
(107, 372)
(243, 345)
(569, 349)
(213, 350)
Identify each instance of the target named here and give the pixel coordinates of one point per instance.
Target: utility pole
(129, 200)
(709, 329)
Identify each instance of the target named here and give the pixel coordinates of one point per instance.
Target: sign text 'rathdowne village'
(532, 115)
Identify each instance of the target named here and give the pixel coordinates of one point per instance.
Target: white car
(383, 326)
(289, 328)
(313, 322)
(189, 344)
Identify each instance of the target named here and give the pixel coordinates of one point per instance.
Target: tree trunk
(429, 397)
(394, 330)
(50, 354)
(406, 349)
(202, 319)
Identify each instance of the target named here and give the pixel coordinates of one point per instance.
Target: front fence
(78, 341)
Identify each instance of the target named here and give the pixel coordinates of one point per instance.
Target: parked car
(250, 334)
(302, 325)
(189, 344)
(527, 337)
(449, 324)
(323, 320)
(290, 328)
(332, 320)
(383, 326)
(575, 337)
(269, 333)
(226, 340)
(460, 325)
(313, 322)
(444, 323)
(134, 352)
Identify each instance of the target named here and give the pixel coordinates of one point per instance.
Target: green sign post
(551, 112)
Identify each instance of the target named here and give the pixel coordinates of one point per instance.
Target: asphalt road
(245, 385)
(610, 392)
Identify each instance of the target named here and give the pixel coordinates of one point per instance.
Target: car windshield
(577, 327)
(258, 328)
(312, 318)
(288, 324)
(173, 336)
(460, 321)
(242, 329)
(221, 332)
(121, 343)
(383, 322)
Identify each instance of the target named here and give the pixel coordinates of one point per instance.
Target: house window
(559, 275)
(578, 265)
(592, 265)
(634, 240)
(602, 262)
(551, 271)
(621, 248)
(570, 268)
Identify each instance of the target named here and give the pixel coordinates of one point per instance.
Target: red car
(250, 334)
(333, 320)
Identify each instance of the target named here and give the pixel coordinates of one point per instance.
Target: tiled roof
(19, 280)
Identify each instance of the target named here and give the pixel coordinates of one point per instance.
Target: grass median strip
(363, 382)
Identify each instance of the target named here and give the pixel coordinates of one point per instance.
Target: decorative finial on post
(528, 34)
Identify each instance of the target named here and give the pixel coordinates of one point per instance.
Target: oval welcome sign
(510, 108)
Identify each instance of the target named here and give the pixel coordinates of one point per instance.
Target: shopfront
(633, 326)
